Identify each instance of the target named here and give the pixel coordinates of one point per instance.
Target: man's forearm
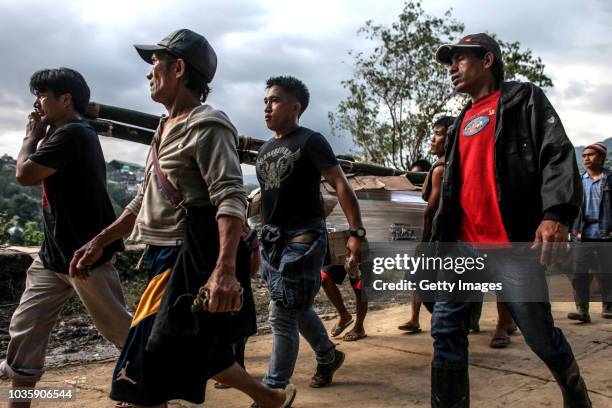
(230, 229)
(122, 227)
(27, 148)
(350, 205)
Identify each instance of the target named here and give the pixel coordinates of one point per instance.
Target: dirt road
(391, 369)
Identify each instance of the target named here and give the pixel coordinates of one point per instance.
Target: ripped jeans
(292, 272)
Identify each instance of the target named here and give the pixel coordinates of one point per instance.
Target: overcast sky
(308, 39)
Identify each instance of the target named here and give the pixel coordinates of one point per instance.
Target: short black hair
(497, 69)
(444, 121)
(422, 163)
(62, 81)
(193, 79)
(293, 87)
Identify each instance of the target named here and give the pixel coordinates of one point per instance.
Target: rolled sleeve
(233, 206)
(219, 165)
(134, 205)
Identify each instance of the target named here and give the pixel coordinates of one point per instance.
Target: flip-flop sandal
(499, 342)
(290, 393)
(337, 330)
(220, 386)
(121, 404)
(354, 336)
(410, 327)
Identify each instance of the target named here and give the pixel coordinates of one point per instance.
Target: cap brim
(444, 55)
(146, 51)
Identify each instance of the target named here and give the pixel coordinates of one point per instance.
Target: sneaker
(325, 372)
(581, 315)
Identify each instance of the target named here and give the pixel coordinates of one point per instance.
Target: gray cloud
(250, 48)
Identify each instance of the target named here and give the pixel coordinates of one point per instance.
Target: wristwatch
(359, 232)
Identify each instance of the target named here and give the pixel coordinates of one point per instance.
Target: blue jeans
(450, 327)
(287, 325)
(519, 276)
(292, 272)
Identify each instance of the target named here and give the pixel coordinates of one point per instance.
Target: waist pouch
(194, 265)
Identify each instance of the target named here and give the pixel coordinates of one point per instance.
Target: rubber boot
(573, 388)
(450, 386)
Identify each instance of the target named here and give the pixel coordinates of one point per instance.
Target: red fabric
(325, 277)
(45, 201)
(481, 220)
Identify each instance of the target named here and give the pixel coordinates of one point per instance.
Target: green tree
(398, 89)
(32, 235)
(25, 207)
(4, 226)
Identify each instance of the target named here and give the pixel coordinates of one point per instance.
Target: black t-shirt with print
(76, 206)
(289, 173)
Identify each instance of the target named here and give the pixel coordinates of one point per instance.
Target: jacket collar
(513, 92)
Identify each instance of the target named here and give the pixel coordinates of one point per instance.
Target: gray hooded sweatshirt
(198, 157)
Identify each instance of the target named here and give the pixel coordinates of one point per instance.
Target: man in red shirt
(510, 177)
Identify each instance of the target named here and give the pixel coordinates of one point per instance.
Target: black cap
(187, 45)
(480, 40)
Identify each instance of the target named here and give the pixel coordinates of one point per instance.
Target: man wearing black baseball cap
(511, 177)
(190, 211)
(191, 47)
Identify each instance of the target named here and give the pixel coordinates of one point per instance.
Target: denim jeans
(450, 319)
(293, 274)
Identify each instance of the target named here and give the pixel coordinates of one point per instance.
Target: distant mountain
(579, 149)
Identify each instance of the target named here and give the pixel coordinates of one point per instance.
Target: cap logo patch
(475, 125)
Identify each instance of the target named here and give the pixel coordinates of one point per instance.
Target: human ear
(66, 100)
(488, 60)
(297, 108)
(180, 68)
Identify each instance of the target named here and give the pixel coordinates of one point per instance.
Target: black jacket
(605, 209)
(535, 167)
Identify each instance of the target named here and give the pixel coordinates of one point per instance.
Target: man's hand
(551, 236)
(84, 258)
(223, 289)
(35, 129)
(353, 244)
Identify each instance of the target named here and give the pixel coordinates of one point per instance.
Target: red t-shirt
(481, 220)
